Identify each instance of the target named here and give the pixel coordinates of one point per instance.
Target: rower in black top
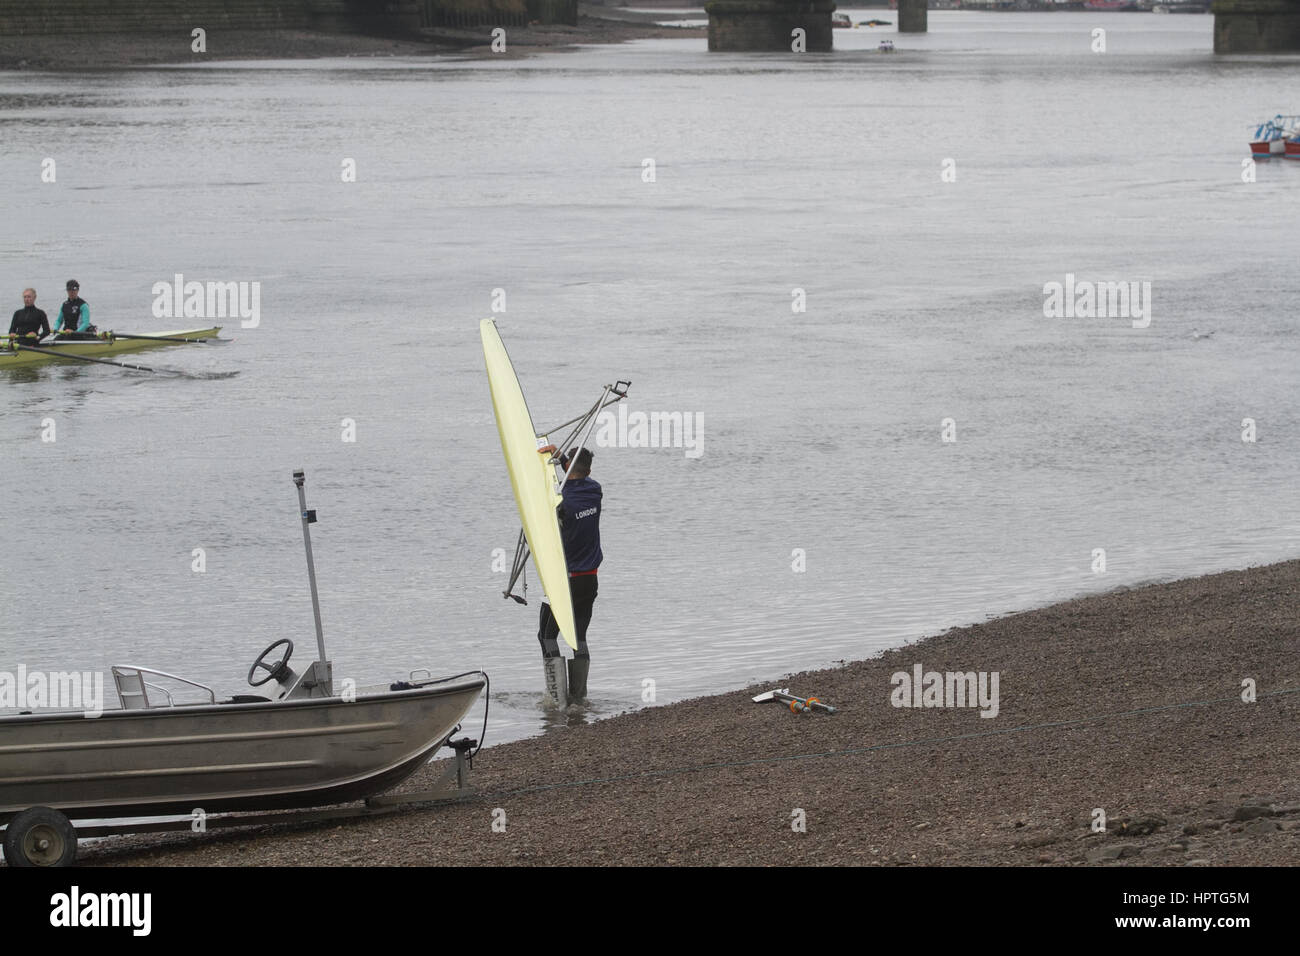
(29, 324)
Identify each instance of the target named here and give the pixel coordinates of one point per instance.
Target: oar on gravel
(797, 704)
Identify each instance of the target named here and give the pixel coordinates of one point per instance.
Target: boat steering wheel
(277, 670)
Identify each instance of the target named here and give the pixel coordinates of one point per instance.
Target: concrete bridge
(1240, 26)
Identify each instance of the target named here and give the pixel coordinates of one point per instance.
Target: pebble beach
(1132, 709)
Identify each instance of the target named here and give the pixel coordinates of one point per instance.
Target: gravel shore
(1129, 703)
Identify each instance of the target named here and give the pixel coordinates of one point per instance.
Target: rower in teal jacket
(74, 317)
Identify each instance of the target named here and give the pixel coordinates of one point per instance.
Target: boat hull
(97, 348)
(223, 757)
(532, 479)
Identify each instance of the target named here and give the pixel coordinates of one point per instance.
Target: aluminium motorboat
(307, 746)
(241, 754)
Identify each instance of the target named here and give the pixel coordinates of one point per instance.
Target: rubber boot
(578, 668)
(557, 682)
(548, 633)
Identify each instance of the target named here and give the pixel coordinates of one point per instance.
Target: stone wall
(913, 16)
(554, 11)
(19, 17)
(739, 25)
(1256, 26)
(472, 13)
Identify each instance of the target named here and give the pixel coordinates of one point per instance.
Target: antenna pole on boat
(322, 676)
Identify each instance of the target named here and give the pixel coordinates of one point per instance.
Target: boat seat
(131, 690)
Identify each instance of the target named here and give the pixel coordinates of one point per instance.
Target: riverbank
(92, 51)
(1128, 702)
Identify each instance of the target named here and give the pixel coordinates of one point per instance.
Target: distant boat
(1276, 137)
(841, 21)
(875, 23)
(1292, 147)
(1267, 148)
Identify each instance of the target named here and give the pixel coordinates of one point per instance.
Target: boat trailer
(41, 836)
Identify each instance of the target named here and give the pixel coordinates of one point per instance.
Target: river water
(819, 432)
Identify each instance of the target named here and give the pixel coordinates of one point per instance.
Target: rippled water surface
(821, 429)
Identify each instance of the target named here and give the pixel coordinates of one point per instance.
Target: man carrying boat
(74, 317)
(29, 322)
(579, 514)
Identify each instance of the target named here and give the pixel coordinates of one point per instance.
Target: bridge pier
(913, 16)
(741, 25)
(1256, 26)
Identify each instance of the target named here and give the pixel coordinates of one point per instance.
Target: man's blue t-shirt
(580, 524)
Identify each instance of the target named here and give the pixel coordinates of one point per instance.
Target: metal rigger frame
(582, 426)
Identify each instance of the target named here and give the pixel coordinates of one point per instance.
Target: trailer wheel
(40, 837)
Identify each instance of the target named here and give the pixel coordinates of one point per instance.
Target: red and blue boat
(1278, 137)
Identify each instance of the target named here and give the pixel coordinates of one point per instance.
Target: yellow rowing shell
(532, 479)
(96, 348)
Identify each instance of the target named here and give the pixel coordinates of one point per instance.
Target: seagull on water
(1201, 335)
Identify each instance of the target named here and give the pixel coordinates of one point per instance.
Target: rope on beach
(758, 761)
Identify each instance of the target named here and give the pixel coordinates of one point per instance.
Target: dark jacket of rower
(74, 316)
(30, 319)
(580, 524)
